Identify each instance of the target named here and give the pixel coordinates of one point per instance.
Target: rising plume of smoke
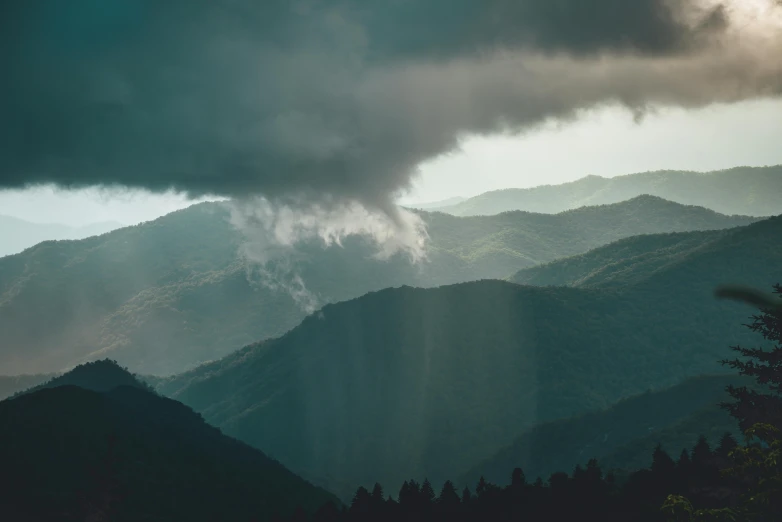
(326, 108)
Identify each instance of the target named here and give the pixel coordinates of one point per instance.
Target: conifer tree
(765, 366)
(448, 502)
(758, 463)
(517, 478)
(466, 496)
(427, 493)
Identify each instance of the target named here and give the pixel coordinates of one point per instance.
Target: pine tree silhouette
(765, 366)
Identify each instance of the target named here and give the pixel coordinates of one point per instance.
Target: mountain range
(752, 191)
(427, 382)
(165, 295)
(89, 450)
(17, 234)
(434, 205)
(623, 436)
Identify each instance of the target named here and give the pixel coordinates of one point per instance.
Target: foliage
(586, 493)
(752, 407)
(757, 465)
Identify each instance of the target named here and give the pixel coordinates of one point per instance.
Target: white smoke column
(273, 229)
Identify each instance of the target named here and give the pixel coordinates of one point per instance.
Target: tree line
(733, 481)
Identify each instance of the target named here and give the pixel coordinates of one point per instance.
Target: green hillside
(752, 191)
(494, 244)
(163, 296)
(428, 382)
(74, 454)
(624, 262)
(663, 259)
(622, 436)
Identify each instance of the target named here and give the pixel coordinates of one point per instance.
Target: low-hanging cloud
(327, 107)
(271, 230)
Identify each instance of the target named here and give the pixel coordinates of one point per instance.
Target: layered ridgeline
(752, 191)
(74, 452)
(624, 262)
(11, 384)
(665, 260)
(164, 295)
(18, 234)
(427, 382)
(621, 437)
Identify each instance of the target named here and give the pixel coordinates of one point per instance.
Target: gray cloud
(451, 28)
(338, 102)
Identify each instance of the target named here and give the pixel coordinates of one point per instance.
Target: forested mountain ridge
(621, 437)
(126, 454)
(498, 243)
(650, 259)
(751, 191)
(619, 264)
(420, 381)
(165, 295)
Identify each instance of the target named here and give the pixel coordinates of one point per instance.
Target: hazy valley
(162, 296)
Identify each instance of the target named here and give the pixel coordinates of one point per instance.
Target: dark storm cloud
(448, 28)
(332, 101)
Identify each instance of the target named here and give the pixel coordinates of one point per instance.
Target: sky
(606, 142)
(322, 113)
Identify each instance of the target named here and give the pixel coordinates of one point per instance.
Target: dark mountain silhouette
(428, 382)
(752, 191)
(101, 376)
(162, 296)
(126, 454)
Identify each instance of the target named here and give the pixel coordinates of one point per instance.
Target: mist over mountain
(428, 382)
(17, 235)
(11, 384)
(164, 295)
(751, 191)
(126, 454)
(434, 205)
